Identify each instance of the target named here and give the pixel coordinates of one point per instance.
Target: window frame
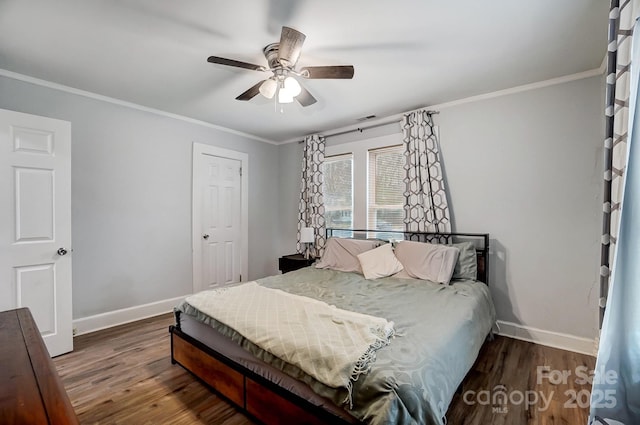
(360, 154)
(339, 157)
(371, 165)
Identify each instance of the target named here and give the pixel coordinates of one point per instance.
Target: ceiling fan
(282, 58)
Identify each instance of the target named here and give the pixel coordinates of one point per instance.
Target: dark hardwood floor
(524, 371)
(123, 375)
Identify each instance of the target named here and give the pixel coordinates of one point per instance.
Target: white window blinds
(386, 188)
(338, 191)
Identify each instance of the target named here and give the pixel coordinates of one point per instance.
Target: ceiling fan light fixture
(282, 58)
(268, 88)
(284, 96)
(292, 86)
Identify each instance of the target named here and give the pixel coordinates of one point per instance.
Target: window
(364, 185)
(385, 203)
(338, 192)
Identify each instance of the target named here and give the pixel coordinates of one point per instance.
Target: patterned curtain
(426, 208)
(311, 210)
(621, 22)
(615, 396)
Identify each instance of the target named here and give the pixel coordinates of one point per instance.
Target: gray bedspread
(440, 331)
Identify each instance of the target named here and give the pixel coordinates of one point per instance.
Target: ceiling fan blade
(291, 42)
(305, 98)
(238, 64)
(252, 92)
(339, 71)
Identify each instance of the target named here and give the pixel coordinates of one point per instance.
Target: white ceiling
(407, 53)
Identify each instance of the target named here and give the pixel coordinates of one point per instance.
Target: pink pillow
(427, 261)
(342, 254)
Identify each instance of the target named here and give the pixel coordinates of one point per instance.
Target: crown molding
(95, 96)
(517, 89)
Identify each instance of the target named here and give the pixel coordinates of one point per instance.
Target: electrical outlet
(75, 331)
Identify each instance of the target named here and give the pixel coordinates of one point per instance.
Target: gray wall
(289, 166)
(131, 197)
(526, 168)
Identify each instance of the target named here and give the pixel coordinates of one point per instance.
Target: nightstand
(289, 263)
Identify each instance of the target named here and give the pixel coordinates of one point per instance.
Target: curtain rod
(369, 127)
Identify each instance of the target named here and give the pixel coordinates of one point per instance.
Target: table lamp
(307, 237)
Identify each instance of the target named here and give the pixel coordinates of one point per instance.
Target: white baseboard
(89, 324)
(548, 338)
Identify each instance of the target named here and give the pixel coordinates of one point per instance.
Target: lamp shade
(284, 96)
(268, 88)
(292, 86)
(306, 235)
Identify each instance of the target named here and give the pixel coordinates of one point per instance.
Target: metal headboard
(480, 240)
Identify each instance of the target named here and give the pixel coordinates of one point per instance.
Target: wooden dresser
(30, 390)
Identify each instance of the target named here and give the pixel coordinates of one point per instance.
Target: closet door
(220, 217)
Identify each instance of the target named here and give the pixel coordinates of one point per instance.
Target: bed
(439, 331)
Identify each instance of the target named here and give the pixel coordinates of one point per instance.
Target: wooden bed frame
(257, 396)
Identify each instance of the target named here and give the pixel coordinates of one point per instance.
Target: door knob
(205, 236)
(62, 251)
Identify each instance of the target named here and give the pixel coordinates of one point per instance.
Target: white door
(35, 223)
(217, 227)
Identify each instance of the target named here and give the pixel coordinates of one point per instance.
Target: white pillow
(379, 262)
